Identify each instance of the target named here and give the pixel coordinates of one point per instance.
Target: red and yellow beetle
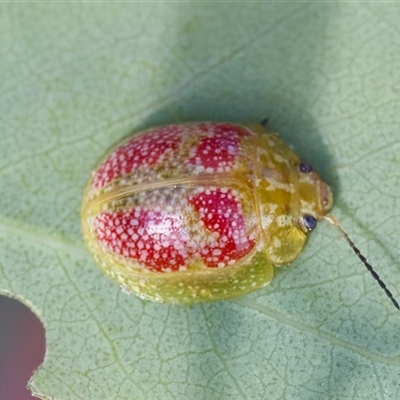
(196, 212)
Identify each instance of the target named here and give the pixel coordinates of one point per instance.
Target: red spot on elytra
(143, 151)
(156, 240)
(221, 214)
(162, 242)
(219, 151)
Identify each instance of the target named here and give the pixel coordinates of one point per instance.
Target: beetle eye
(309, 222)
(303, 167)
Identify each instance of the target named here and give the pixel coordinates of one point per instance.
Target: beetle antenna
(334, 222)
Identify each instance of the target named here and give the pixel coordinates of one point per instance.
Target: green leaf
(78, 77)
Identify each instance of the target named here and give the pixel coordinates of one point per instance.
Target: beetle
(195, 212)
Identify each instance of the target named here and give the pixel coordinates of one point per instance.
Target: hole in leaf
(22, 348)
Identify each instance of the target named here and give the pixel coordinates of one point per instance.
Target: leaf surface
(78, 77)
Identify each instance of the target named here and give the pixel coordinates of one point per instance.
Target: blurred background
(22, 348)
